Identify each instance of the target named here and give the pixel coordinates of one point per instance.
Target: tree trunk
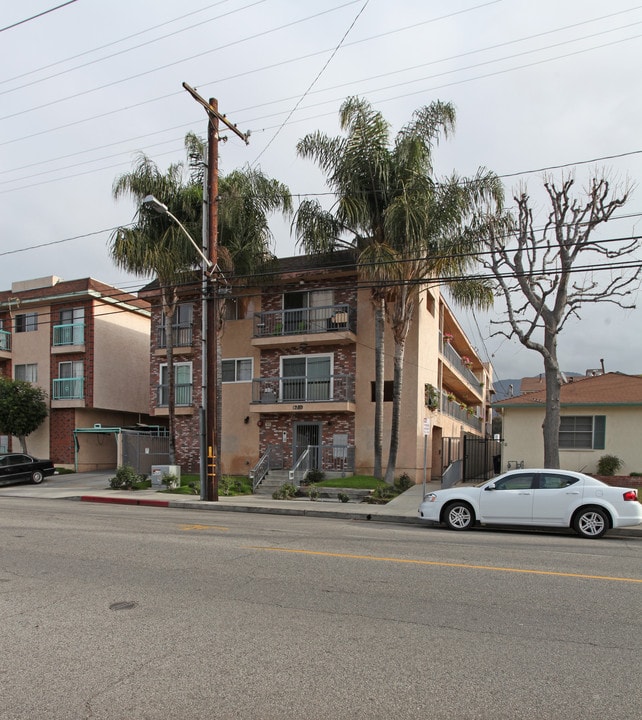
(551, 425)
(379, 388)
(400, 347)
(23, 443)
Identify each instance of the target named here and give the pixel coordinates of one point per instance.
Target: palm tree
(155, 245)
(407, 227)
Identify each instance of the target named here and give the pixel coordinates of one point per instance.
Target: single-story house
(601, 414)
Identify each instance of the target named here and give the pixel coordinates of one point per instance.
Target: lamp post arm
(208, 263)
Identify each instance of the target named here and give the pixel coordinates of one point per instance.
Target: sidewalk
(402, 509)
(94, 487)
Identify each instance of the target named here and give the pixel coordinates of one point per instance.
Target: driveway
(61, 486)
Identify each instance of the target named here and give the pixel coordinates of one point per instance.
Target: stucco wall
(121, 359)
(523, 439)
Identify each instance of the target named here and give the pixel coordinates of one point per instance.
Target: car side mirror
(490, 487)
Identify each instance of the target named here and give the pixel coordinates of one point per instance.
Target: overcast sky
(536, 85)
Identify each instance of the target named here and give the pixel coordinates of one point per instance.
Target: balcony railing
(69, 388)
(454, 409)
(182, 395)
(455, 360)
(181, 336)
(5, 340)
(69, 334)
(330, 318)
(333, 388)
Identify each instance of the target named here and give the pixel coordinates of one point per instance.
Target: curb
(632, 532)
(302, 512)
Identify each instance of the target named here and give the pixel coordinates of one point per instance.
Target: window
(308, 310)
(306, 377)
(233, 309)
(237, 370)
(582, 432)
(28, 322)
(181, 327)
(554, 481)
(28, 373)
(182, 385)
(523, 481)
(388, 386)
(71, 330)
(70, 384)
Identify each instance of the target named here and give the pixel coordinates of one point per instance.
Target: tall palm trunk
(400, 348)
(379, 386)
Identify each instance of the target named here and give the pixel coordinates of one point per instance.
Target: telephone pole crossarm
(213, 111)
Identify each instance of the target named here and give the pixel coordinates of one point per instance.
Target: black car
(17, 467)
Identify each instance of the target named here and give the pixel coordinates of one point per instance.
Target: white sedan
(554, 498)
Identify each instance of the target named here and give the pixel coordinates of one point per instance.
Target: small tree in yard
(23, 408)
(538, 273)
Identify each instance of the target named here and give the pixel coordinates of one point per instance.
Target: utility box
(161, 471)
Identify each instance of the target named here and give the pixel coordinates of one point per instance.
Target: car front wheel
(459, 516)
(591, 522)
(37, 477)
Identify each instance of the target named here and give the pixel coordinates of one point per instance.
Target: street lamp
(208, 418)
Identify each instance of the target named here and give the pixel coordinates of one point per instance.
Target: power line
(34, 17)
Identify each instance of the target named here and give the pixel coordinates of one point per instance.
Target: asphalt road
(123, 612)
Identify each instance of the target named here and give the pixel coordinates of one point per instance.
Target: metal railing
(329, 318)
(453, 357)
(454, 409)
(5, 340)
(301, 467)
(272, 459)
(69, 334)
(68, 389)
(332, 388)
(182, 395)
(181, 336)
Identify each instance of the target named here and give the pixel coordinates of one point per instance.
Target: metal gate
(482, 458)
(141, 450)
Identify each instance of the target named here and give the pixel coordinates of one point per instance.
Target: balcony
(334, 393)
(315, 326)
(68, 389)
(181, 337)
(182, 395)
(453, 409)
(69, 334)
(5, 343)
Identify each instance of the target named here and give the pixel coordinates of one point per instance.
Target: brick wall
(62, 424)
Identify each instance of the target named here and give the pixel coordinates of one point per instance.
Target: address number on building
(297, 407)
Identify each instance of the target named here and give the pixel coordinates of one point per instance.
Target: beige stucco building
(298, 372)
(86, 344)
(600, 415)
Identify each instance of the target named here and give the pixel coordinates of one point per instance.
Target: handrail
(301, 468)
(260, 470)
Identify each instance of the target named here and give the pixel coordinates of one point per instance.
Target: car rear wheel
(459, 516)
(591, 522)
(37, 477)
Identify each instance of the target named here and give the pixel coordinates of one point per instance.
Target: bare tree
(539, 275)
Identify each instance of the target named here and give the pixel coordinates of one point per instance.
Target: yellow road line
(446, 564)
(203, 527)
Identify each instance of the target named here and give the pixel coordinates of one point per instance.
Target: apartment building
(87, 345)
(298, 372)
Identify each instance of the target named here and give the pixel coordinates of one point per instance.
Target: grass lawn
(355, 482)
(228, 485)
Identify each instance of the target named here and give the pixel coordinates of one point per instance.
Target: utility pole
(212, 379)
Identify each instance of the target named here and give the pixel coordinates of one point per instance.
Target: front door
(308, 434)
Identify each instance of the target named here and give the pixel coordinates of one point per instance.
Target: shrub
(315, 475)
(228, 485)
(608, 465)
(404, 482)
(287, 491)
(126, 477)
(313, 492)
(170, 481)
(343, 497)
(381, 494)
